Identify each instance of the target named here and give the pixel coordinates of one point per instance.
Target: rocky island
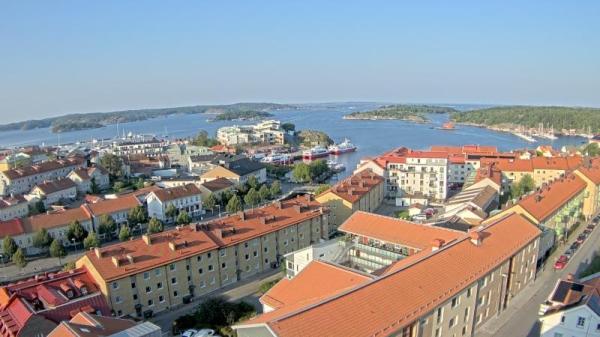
(413, 113)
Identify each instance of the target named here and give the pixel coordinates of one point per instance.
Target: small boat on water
(343, 147)
(448, 126)
(315, 152)
(277, 158)
(335, 166)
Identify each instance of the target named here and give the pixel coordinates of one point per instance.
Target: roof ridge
(409, 222)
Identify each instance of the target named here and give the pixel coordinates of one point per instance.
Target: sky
(59, 57)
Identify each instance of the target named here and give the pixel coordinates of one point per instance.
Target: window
(150, 303)
(466, 314)
(451, 322)
(580, 322)
(598, 327)
(135, 297)
(455, 302)
(209, 255)
(115, 285)
(148, 289)
(118, 299)
(132, 285)
(469, 292)
(200, 271)
(199, 258)
(440, 313)
(146, 275)
(159, 285)
(161, 298)
(464, 330)
(223, 253)
(210, 267)
(175, 293)
(247, 256)
(562, 320)
(438, 332)
(172, 266)
(224, 265)
(157, 272)
(173, 280)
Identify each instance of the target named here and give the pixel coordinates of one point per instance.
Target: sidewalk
(521, 318)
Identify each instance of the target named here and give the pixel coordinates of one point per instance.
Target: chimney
(242, 215)
(115, 261)
(147, 239)
(98, 252)
(309, 197)
(263, 220)
(298, 208)
(278, 204)
(172, 245)
(130, 258)
(219, 233)
(475, 238)
(436, 244)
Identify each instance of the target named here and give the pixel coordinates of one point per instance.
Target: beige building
(238, 171)
(85, 177)
(450, 289)
(22, 180)
(13, 207)
(265, 132)
(54, 191)
(363, 191)
(160, 271)
(590, 173)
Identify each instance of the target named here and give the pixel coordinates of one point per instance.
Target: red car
(561, 263)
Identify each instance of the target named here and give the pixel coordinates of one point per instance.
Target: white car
(189, 333)
(205, 333)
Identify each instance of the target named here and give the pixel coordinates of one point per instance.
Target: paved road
(521, 319)
(246, 290)
(11, 272)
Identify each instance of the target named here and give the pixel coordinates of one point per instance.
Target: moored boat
(343, 147)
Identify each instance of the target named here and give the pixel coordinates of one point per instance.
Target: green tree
(317, 168)
(91, 241)
(42, 239)
(57, 249)
(171, 211)
(252, 198)
(234, 205)
(137, 215)
(118, 186)
(264, 193)
(18, 258)
(139, 184)
(592, 150)
(37, 208)
(107, 226)
(301, 173)
(210, 202)
(527, 184)
(322, 188)
(76, 232)
(10, 246)
(155, 226)
(69, 266)
(288, 127)
(202, 139)
(183, 218)
(252, 182)
(124, 233)
(113, 164)
(94, 188)
(275, 188)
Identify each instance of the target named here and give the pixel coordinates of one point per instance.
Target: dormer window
(84, 290)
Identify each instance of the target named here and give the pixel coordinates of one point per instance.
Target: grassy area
(403, 215)
(267, 285)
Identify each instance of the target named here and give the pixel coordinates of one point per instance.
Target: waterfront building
(265, 132)
(363, 191)
(160, 271)
(22, 180)
(186, 198)
(449, 288)
(35, 306)
(572, 309)
(149, 147)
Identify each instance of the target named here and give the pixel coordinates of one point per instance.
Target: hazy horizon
(68, 57)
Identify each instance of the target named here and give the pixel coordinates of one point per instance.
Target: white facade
(21, 181)
(268, 132)
(13, 210)
(579, 321)
(157, 208)
(426, 176)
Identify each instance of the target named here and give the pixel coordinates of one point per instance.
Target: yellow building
(590, 173)
(157, 272)
(363, 191)
(541, 169)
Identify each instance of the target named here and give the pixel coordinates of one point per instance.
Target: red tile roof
(108, 206)
(551, 197)
(42, 168)
(303, 287)
(11, 228)
(591, 171)
(53, 186)
(54, 219)
(396, 231)
(356, 186)
(387, 304)
(11, 201)
(167, 194)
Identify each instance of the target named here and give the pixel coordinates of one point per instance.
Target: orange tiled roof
(109, 206)
(11, 227)
(303, 287)
(387, 304)
(556, 163)
(356, 186)
(55, 219)
(396, 231)
(177, 192)
(514, 165)
(549, 198)
(42, 168)
(592, 171)
(489, 171)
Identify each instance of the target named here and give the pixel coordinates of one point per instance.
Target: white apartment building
(421, 173)
(13, 207)
(54, 191)
(22, 180)
(185, 198)
(267, 132)
(148, 147)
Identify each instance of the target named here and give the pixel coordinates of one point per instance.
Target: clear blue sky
(59, 57)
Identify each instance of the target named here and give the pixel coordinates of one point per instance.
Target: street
(521, 319)
(246, 290)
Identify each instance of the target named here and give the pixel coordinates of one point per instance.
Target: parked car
(205, 333)
(189, 333)
(561, 263)
(590, 226)
(569, 253)
(574, 246)
(581, 238)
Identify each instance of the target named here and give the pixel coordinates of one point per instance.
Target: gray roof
(244, 166)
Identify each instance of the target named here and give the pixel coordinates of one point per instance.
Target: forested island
(414, 113)
(241, 115)
(557, 117)
(72, 122)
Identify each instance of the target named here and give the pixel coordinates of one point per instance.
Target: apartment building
(265, 132)
(449, 289)
(54, 191)
(163, 270)
(215, 187)
(363, 191)
(22, 180)
(34, 307)
(590, 173)
(572, 309)
(13, 207)
(541, 169)
(148, 147)
(84, 178)
(118, 209)
(185, 198)
(554, 207)
(84, 324)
